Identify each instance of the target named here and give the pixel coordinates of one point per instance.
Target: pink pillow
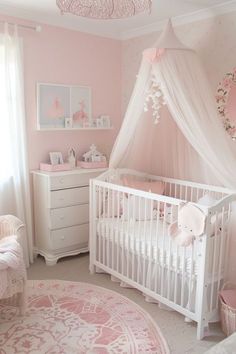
(152, 186)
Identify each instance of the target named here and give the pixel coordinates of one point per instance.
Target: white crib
(139, 251)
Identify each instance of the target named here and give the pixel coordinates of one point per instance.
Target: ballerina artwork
(80, 117)
(56, 111)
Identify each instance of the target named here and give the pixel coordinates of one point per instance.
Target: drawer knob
(61, 180)
(61, 199)
(61, 217)
(62, 237)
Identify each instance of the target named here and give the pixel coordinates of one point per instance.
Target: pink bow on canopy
(153, 54)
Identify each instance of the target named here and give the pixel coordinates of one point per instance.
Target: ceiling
(46, 11)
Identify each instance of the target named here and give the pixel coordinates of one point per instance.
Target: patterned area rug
(71, 317)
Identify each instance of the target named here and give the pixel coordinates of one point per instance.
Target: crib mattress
(149, 240)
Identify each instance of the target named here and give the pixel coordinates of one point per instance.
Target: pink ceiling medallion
(104, 9)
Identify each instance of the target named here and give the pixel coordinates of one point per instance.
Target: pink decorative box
(54, 168)
(84, 164)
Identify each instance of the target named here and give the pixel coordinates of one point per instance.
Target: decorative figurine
(71, 158)
(93, 155)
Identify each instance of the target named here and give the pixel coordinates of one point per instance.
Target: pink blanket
(11, 258)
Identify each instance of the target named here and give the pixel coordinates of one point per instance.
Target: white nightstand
(61, 212)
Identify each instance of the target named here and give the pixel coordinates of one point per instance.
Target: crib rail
(129, 238)
(175, 188)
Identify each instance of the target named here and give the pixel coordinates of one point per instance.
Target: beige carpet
(180, 336)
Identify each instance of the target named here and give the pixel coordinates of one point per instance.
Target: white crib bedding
(155, 244)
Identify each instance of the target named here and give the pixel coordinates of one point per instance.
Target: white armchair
(14, 279)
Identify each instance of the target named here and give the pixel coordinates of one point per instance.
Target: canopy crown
(169, 40)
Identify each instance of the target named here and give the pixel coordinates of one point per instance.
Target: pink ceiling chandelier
(104, 9)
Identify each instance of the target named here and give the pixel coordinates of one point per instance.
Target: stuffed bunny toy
(191, 222)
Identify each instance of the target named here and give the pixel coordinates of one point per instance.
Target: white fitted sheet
(151, 240)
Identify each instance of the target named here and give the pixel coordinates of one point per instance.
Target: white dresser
(61, 212)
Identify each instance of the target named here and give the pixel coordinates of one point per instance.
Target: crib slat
(139, 240)
(227, 238)
(176, 275)
(183, 276)
(120, 238)
(197, 197)
(103, 238)
(221, 246)
(169, 255)
(151, 246)
(190, 284)
(133, 243)
(122, 244)
(145, 243)
(180, 192)
(128, 236)
(120, 203)
(175, 190)
(103, 226)
(171, 189)
(213, 270)
(186, 193)
(109, 227)
(157, 257)
(100, 210)
(114, 202)
(163, 261)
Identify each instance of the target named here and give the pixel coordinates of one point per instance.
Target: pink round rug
(70, 317)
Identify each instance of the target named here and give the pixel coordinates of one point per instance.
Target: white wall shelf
(73, 129)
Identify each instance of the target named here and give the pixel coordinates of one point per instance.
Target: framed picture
(56, 158)
(105, 121)
(57, 103)
(99, 123)
(68, 123)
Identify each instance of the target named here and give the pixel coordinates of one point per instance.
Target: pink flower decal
(222, 97)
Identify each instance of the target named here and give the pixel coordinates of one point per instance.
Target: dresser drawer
(71, 181)
(69, 197)
(74, 215)
(70, 236)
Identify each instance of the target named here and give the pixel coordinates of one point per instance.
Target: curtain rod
(36, 28)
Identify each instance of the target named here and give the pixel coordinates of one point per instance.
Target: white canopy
(189, 142)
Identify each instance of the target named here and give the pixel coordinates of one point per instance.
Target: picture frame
(99, 123)
(68, 123)
(56, 103)
(56, 158)
(106, 123)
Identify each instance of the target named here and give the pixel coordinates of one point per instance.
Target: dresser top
(77, 170)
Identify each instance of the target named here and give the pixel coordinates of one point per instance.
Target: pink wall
(68, 57)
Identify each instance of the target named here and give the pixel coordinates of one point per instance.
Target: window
(6, 158)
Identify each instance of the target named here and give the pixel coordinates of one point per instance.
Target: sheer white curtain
(14, 171)
(196, 147)
(132, 117)
(193, 107)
